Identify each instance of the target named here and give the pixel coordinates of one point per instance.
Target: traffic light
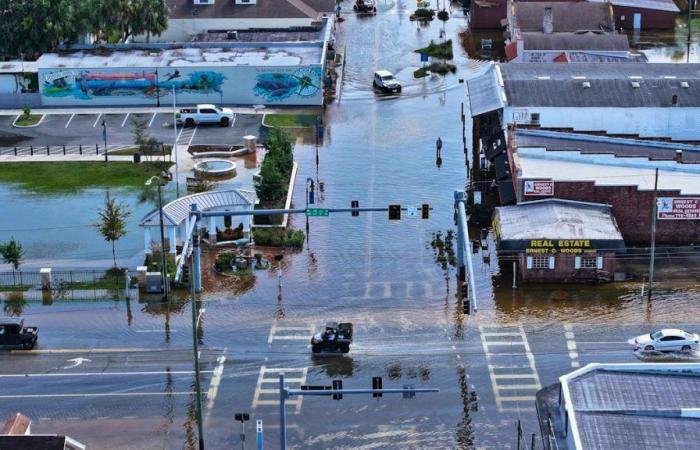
(425, 211)
(394, 212)
(242, 417)
(337, 385)
(376, 384)
(465, 298)
(355, 204)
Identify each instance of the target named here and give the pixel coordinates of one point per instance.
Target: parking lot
(86, 131)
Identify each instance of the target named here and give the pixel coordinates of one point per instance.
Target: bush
(26, 111)
(223, 261)
(276, 168)
(443, 50)
(424, 13)
(279, 237)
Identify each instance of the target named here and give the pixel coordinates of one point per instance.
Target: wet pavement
(131, 386)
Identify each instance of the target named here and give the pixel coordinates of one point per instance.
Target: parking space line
(233, 122)
(150, 122)
(124, 121)
(97, 120)
(69, 120)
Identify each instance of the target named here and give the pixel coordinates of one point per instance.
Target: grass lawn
(290, 120)
(131, 150)
(441, 68)
(17, 288)
(26, 121)
(71, 176)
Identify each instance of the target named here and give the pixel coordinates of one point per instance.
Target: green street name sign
(317, 212)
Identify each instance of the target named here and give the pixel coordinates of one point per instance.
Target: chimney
(548, 21)
(679, 156)
(674, 99)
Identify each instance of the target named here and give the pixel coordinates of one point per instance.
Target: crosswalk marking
(397, 289)
(296, 333)
(503, 373)
(571, 345)
(265, 396)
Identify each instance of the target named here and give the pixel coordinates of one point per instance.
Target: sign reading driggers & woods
(533, 187)
(678, 208)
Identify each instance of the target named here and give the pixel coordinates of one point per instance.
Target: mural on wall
(277, 86)
(87, 84)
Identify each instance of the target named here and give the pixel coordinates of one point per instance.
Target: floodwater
(380, 275)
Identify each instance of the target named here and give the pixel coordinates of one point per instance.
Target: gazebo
(176, 216)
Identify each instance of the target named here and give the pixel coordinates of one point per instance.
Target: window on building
(588, 262)
(540, 262)
(535, 117)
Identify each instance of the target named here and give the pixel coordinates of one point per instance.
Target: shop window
(538, 262)
(588, 262)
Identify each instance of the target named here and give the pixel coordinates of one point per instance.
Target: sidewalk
(153, 109)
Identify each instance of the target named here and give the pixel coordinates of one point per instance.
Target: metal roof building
(624, 407)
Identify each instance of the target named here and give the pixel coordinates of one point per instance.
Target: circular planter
(215, 168)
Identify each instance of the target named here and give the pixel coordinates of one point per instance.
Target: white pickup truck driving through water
(205, 114)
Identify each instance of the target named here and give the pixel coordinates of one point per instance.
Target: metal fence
(76, 149)
(59, 280)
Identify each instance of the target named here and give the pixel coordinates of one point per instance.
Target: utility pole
(653, 235)
(691, 4)
(177, 184)
(195, 344)
(163, 259)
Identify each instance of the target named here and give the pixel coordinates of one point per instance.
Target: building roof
(576, 41)
(657, 5)
(567, 16)
(177, 211)
(633, 406)
(591, 143)
(17, 424)
(227, 55)
(262, 9)
(535, 163)
(484, 92)
(609, 85)
(556, 219)
(36, 442)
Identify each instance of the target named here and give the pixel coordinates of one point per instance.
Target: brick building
(556, 240)
(619, 172)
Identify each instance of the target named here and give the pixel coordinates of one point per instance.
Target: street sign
(423, 57)
(317, 212)
(679, 208)
(412, 212)
(533, 187)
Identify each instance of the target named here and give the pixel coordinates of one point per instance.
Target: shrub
(223, 261)
(26, 111)
(276, 168)
(443, 15)
(279, 237)
(424, 13)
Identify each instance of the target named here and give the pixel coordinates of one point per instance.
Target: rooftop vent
(548, 21)
(684, 84)
(586, 84)
(635, 84)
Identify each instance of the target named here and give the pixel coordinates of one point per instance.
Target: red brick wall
(487, 18)
(564, 270)
(651, 19)
(632, 210)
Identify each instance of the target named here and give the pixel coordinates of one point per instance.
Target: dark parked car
(14, 333)
(336, 337)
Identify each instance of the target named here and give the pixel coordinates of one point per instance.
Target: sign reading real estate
(678, 208)
(533, 187)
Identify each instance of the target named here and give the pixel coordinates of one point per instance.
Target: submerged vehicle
(386, 82)
(365, 6)
(14, 333)
(336, 337)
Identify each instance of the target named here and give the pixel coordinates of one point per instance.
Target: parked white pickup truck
(205, 114)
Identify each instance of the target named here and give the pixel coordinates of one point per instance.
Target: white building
(646, 100)
(191, 17)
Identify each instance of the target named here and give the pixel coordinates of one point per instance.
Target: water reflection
(335, 365)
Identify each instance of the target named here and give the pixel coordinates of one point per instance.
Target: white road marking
(155, 331)
(500, 387)
(571, 344)
(300, 333)
(151, 121)
(94, 374)
(97, 120)
(105, 394)
(95, 350)
(214, 385)
(124, 121)
(269, 376)
(76, 362)
(69, 120)
(233, 122)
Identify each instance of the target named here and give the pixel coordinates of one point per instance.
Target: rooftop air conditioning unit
(586, 84)
(232, 35)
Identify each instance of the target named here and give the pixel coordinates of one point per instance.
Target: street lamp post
(163, 260)
(177, 184)
(104, 135)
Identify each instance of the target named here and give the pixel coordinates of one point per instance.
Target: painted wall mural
(277, 86)
(237, 85)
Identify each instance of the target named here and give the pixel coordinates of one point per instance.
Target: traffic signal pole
(464, 258)
(286, 393)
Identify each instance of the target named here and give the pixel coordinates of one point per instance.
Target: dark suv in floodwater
(14, 333)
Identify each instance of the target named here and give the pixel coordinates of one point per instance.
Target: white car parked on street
(667, 340)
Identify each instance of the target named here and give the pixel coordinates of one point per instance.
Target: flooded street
(380, 275)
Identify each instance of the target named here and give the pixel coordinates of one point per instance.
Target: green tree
(112, 224)
(12, 253)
